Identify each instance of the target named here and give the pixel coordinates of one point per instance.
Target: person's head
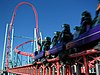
(47, 38)
(57, 33)
(66, 26)
(77, 28)
(36, 53)
(86, 14)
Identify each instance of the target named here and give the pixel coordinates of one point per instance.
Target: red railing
(55, 67)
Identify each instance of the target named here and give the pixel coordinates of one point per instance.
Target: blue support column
(35, 41)
(97, 68)
(11, 49)
(4, 48)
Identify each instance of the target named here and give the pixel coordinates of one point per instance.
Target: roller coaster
(84, 61)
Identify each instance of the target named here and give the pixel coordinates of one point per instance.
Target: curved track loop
(10, 29)
(14, 14)
(24, 53)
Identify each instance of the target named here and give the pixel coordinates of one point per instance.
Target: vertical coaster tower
(8, 43)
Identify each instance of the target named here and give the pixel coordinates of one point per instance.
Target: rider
(86, 22)
(76, 33)
(47, 43)
(96, 20)
(66, 34)
(56, 38)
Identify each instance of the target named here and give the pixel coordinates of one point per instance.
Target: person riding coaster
(46, 47)
(56, 38)
(86, 22)
(66, 37)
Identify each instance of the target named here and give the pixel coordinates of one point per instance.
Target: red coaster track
(53, 66)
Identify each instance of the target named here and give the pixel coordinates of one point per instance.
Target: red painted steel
(31, 69)
(91, 63)
(22, 69)
(68, 70)
(14, 14)
(11, 24)
(50, 71)
(87, 52)
(58, 68)
(86, 66)
(24, 53)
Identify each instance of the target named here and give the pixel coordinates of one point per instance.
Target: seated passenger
(46, 47)
(66, 37)
(96, 20)
(35, 53)
(46, 44)
(66, 34)
(41, 45)
(56, 38)
(86, 22)
(76, 33)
